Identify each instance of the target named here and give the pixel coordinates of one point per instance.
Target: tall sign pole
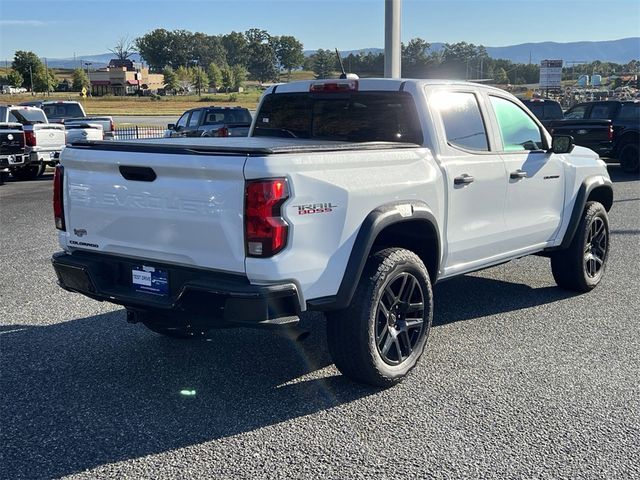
(392, 39)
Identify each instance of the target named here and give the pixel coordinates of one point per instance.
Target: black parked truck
(611, 128)
(12, 156)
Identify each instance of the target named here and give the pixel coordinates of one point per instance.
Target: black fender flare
(588, 185)
(374, 223)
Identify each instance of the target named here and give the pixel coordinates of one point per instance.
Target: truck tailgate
(49, 135)
(190, 214)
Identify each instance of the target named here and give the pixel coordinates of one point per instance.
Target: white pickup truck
(350, 197)
(44, 141)
(71, 114)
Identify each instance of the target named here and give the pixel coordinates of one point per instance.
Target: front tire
(630, 158)
(379, 338)
(581, 266)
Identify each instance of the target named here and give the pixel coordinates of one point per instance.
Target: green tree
(415, 52)
(44, 80)
(185, 80)
(14, 78)
(80, 80)
(200, 79)
(207, 49)
(289, 53)
(170, 79)
(215, 76)
(228, 80)
(154, 49)
(324, 63)
(26, 64)
(500, 76)
(261, 61)
(235, 45)
(239, 76)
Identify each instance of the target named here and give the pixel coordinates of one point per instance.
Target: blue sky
(60, 28)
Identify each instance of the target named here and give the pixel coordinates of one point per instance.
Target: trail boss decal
(309, 208)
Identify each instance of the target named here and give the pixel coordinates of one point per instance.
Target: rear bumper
(8, 161)
(206, 298)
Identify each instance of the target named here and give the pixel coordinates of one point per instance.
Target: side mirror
(562, 144)
(171, 126)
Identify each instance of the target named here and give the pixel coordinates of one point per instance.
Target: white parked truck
(350, 197)
(71, 113)
(43, 140)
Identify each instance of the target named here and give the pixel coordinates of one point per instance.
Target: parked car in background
(44, 141)
(212, 122)
(70, 112)
(12, 156)
(620, 119)
(544, 109)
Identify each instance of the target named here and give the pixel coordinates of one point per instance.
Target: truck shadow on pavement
(92, 391)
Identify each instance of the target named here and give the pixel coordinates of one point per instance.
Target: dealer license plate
(150, 280)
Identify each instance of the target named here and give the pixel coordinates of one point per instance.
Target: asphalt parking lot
(520, 379)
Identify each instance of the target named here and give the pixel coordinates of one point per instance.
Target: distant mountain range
(618, 51)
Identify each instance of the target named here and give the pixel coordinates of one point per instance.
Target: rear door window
(517, 128)
(577, 113)
(195, 118)
(463, 123)
(629, 111)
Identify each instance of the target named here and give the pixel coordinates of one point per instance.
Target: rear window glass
(63, 110)
(226, 116)
(28, 116)
(350, 117)
(545, 110)
(603, 111)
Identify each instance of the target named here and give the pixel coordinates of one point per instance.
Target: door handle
(463, 179)
(518, 174)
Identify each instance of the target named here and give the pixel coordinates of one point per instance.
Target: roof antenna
(344, 75)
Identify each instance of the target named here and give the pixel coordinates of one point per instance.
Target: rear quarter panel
(345, 187)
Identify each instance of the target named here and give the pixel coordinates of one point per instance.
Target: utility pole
(46, 68)
(88, 64)
(392, 52)
(31, 75)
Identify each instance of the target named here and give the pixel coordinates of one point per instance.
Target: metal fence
(135, 131)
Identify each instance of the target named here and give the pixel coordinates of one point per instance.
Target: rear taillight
(111, 126)
(30, 138)
(265, 230)
(222, 132)
(58, 204)
(610, 132)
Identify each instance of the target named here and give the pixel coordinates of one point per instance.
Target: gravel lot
(519, 380)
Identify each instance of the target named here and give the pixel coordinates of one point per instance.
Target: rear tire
(379, 338)
(581, 266)
(630, 158)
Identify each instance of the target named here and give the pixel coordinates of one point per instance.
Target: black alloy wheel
(399, 318)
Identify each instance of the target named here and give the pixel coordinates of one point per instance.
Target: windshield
(28, 116)
(353, 117)
(63, 110)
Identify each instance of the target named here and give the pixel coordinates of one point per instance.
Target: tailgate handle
(137, 174)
